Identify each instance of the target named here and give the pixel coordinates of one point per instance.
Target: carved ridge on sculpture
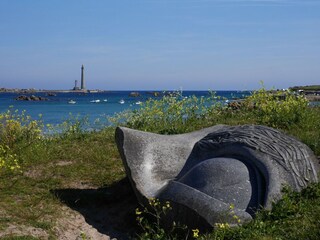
(302, 172)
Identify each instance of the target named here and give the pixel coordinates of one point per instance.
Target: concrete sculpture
(204, 172)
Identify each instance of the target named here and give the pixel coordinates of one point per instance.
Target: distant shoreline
(312, 93)
(32, 90)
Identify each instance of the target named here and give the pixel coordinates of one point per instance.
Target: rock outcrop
(134, 94)
(31, 98)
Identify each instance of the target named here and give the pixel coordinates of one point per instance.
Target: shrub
(280, 109)
(8, 160)
(169, 115)
(17, 131)
(175, 114)
(18, 128)
(73, 127)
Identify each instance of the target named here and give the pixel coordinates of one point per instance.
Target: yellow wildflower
(222, 225)
(195, 233)
(138, 212)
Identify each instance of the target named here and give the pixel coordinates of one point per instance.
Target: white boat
(72, 102)
(105, 100)
(138, 103)
(121, 101)
(95, 101)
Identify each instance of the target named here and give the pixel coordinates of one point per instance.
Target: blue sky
(159, 44)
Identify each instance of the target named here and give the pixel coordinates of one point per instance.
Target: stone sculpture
(204, 172)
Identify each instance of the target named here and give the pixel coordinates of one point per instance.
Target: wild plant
(17, 131)
(73, 126)
(150, 219)
(17, 127)
(8, 160)
(169, 115)
(280, 109)
(221, 229)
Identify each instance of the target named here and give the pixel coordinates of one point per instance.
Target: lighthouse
(83, 87)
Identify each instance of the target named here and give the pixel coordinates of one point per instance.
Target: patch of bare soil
(74, 226)
(88, 213)
(21, 230)
(36, 172)
(64, 163)
(99, 214)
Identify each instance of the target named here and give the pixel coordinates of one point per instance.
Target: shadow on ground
(111, 210)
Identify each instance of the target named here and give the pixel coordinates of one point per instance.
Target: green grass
(295, 216)
(77, 161)
(91, 160)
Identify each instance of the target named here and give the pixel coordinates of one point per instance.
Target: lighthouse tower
(83, 87)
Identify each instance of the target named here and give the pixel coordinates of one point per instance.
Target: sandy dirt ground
(87, 213)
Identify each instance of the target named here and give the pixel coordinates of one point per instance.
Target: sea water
(92, 106)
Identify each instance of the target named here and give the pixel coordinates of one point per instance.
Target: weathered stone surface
(206, 171)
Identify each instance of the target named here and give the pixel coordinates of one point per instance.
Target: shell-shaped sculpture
(205, 172)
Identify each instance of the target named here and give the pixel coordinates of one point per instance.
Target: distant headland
(306, 88)
(33, 90)
(81, 89)
(311, 92)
